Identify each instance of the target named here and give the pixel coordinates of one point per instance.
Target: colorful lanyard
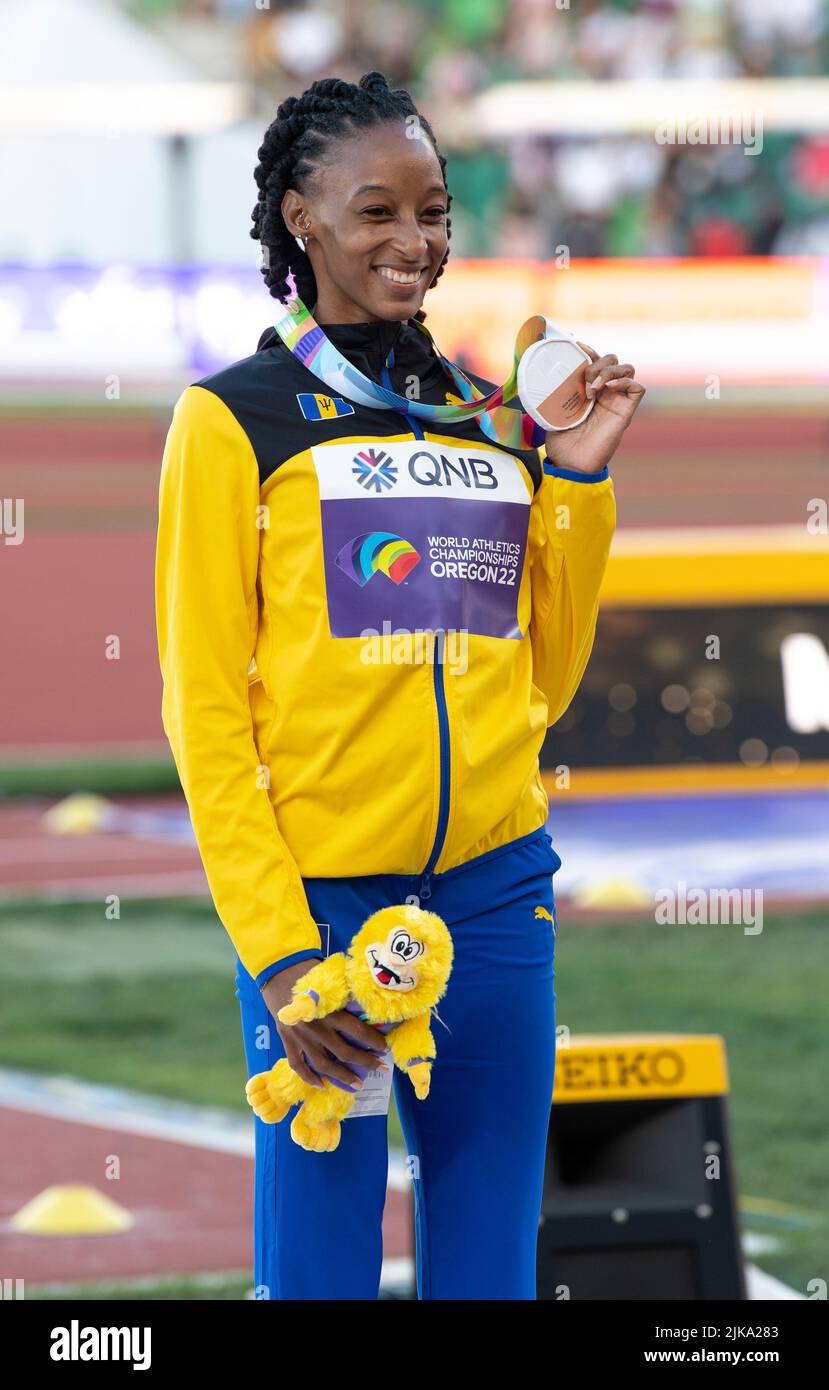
(301, 333)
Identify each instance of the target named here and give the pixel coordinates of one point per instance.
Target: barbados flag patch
(316, 407)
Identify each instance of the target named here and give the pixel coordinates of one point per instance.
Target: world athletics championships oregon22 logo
(363, 556)
(374, 469)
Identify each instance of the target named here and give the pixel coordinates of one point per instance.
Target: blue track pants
(476, 1145)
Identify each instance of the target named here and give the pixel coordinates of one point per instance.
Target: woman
(353, 729)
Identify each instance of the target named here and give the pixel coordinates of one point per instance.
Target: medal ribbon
(301, 333)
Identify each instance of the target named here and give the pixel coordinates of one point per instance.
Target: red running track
(193, 1207)
(35, 863)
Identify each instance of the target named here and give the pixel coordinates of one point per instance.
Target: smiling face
(392, 962)
(374, 215)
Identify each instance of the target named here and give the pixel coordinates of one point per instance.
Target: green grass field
(149, 1003)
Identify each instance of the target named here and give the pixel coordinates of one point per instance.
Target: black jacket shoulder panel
(259, 391)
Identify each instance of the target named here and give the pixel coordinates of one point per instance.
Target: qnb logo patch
(446, 523)
(363, 556)
(374, 470)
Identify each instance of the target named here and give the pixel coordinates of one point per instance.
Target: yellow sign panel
(691, 779)
(717, 565)
(639, 1066)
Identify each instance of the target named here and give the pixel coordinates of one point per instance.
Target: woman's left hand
(591, 445)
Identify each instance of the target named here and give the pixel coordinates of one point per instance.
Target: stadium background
(126, 271)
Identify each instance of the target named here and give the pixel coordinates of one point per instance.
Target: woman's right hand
(322, 1035)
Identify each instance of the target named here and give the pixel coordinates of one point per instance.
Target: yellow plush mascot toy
(392, 976)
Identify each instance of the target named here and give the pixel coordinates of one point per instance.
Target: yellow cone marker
(78, 814)
(71, 1211)
(613, 892)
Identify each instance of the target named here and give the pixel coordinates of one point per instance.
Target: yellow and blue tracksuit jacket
(365, 629)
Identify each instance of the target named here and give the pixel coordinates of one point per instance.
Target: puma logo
(542, 912)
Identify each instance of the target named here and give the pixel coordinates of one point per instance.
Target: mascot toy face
(392, 962)
(399, 962)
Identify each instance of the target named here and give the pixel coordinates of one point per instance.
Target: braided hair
(292, 147)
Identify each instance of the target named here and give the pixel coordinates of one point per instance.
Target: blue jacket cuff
(313, 953)
(574, 476)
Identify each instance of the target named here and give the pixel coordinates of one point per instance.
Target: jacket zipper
(438, 652)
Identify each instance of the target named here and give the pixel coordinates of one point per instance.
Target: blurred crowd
(598, 196)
